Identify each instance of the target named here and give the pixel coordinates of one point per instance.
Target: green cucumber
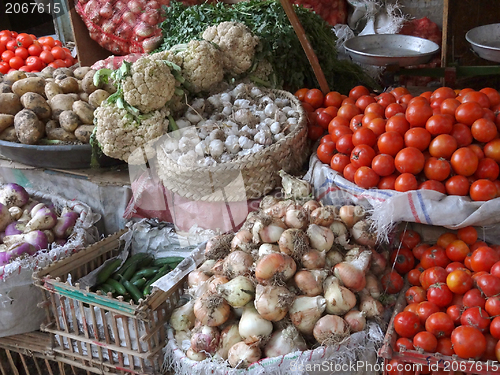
(147, 272)
(139, 283)
(134, 259)
(106, 288)
(127, 275)
(145, 262)
(172, 261)
(161, 272)
(119, 288)
(107, 270)
(133, 290)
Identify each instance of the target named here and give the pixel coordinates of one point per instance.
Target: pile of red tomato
(445, 140)
(27, 53)
(453, 304)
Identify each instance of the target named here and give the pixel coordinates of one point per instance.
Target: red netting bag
(124, 27)
(332, 11)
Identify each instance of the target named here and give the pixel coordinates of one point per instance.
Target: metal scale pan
(485, 41)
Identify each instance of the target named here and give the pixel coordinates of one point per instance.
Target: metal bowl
(485, 41)
(54, 156)
(390, 49)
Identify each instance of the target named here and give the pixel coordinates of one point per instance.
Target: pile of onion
(295, 275)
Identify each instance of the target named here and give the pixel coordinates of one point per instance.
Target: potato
(47, 72)
(60, 103)
(68, 84)
(32, 74)
(29, 128)
(84, 96)
(37, 103)
(9, 135)
(80, 72)
(97, 97)
(66, 71)
(10, 103)
(83, 133)
(52, 89)
(51, 124)
(6, 121)
(69, 120)
(14, 76)
(61, 135)
(88, 82)
(5, 87)
(74, 95)
(32, 84)
(109, 87)
(85, 111)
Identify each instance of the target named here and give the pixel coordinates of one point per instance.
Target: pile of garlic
(229, 125)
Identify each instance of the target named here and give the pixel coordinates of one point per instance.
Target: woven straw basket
(248, 177)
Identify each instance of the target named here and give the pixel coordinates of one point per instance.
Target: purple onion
(65, 224)
(44, 218)
(14, 195)
(16, 227)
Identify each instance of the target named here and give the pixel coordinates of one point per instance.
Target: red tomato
(457, 250)
(313, 96)
(413, 277)
(358, 91)
(483, 130)
(487, 169)
(440, 324)
(455, 313)
(11, 45)
(333, 98)
(58, 64)
(339, 162)
(440, 124)
(407, 324)
(377, 125)
(468, 342)
(426, 341)
(419, 250)
(474, 298)
(385, 99)
(489, 353)
(7, 55)
(445, 347)
(483, 190)
(409, 160)
(46, 57)
(467, 234)
(434, 256)
(397, 123)
(464, 162)
(418, 112)
(468, 112)
(376, 109)
(405, 182)
(35, 49)
(4, 67)
(412, 307)
(387, 182)
(390, 143)
(415, 294)
(325, 152)
(443, 146)
(364, 136)
(477, 96)
(426, 309)
(488, 284)
(495, 269)
(383, 165)
(24, 40)
(59, 53)
(323, 119)
(445, 239)
(356, 122)
(476, 317)
(492, 306)
(16, 62)
(363, 101)
(459, 281)
(349, 172)
(402, 259)
(366, 178)
(22, 53)
(491, 149)
(300, 93)
(403, 343)
(439, 294)
(462, 134)
(400, 91)
(392, 282)
(393, 109)
(409, 238)
(314, 132)
(457, 185)
(362, 155)
(437, 169)
(419, 138)
(327, 139)
(399, 367)
(332, 111)
(344, 144)
(348, 111)
(337, 130)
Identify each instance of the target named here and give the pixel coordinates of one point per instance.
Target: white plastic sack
(19, 298)
(388, 207)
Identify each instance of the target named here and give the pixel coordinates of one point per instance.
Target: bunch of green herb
(279, 43)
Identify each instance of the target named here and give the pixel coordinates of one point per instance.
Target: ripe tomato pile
(445, 140)
(27, 53)
(453, 305)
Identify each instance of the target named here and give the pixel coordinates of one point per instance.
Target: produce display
(453, 302)
(444, 140)
(132, 280)
(53, 106)
(27, 53)
(297, 275)
(28, 226)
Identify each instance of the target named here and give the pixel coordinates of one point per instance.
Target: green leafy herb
(279, 43)
(96, 150)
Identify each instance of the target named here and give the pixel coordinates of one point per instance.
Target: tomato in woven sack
(392, 282)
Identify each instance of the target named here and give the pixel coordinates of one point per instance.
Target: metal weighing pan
(390, 49)
(485, 41)
(54, 156)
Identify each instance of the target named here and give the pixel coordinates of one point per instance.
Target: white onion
(237, 292)
(355, 320)
(272, 302)
(182, 318)
(215, 281)
(228, 337)
(310, 206)
(340, 232)
(279, 210)
(205, 339)
(252, 326)
(195, 356)
(211, 310)
(339, 299)
(284, 341)
(305, 312)
(293, 242)
(350, 215)
(275, 267)
(370, 306)
(321, 238)
(333, 257)
(373, 285)
(267, 229)
(242, 355)
(296, 218)
(242, 240)
(196, 278)
(268, 201)
(330, 329)
(267, 248)
(352, 271)
(314, 259)
(323, 216)
(238, 263)
(362, 234)
(206, 267)
(310, 282)
(218, 247)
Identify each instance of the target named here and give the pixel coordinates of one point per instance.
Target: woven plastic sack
(19, 298)
(388, 207)
(124, 27)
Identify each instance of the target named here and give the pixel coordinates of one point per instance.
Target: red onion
(143, 30)
(13, 195)
(205, 339)
(106, 11)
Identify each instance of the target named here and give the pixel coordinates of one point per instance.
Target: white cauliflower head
(150, 86)
(237, 45)
(119, 133)
(202, 65)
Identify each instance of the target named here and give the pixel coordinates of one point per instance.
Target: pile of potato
(54, 104)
